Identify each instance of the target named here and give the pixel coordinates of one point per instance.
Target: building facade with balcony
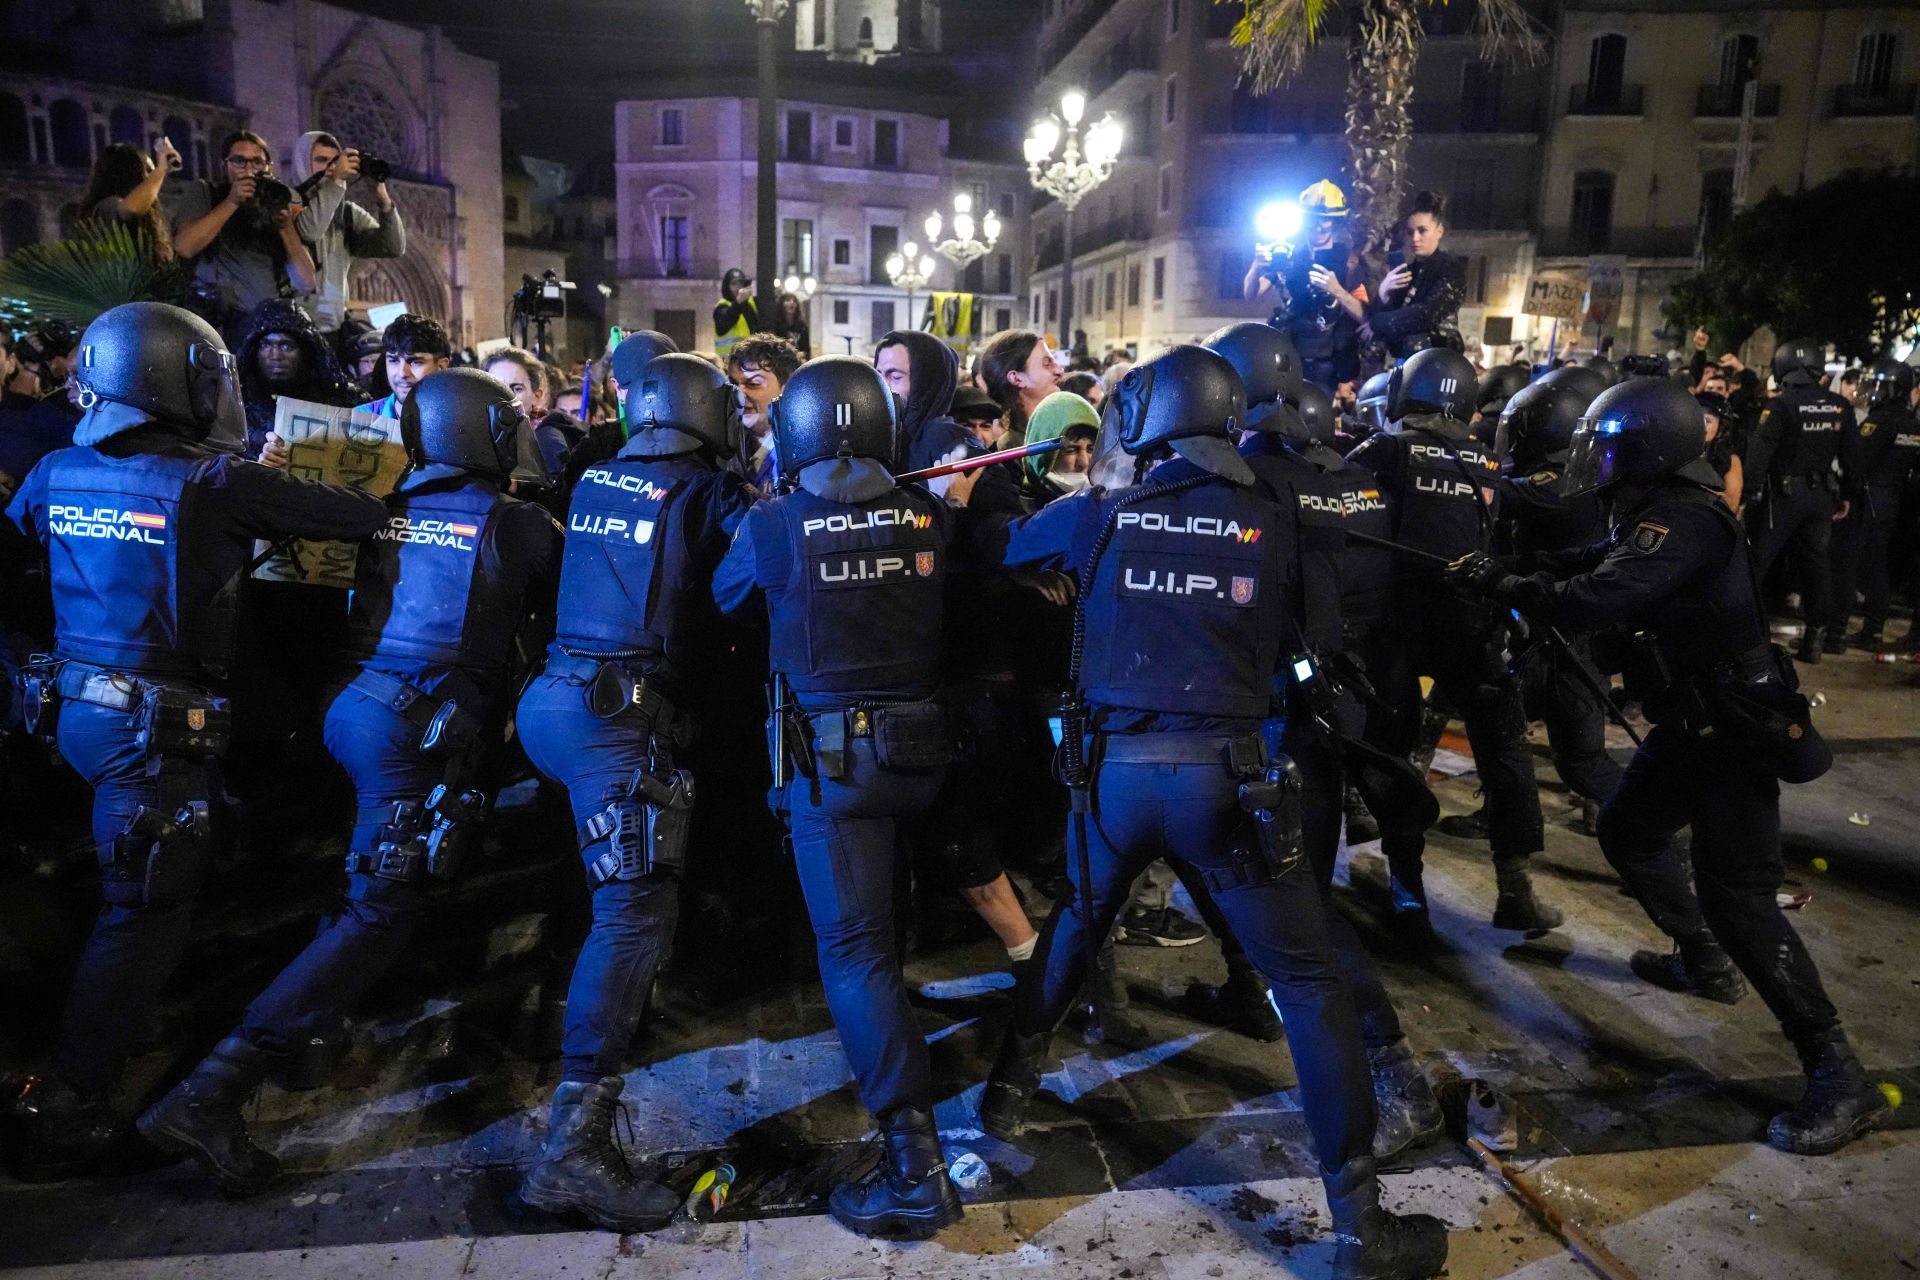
(1161, 248)
(130, 70)
(1668, 117)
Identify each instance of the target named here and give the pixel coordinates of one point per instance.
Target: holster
(426, 842)
(158, 857)
(447, 729)
(37, 685)
(1272, 798)
(645, 825)
(1767, 715)
(614, 691)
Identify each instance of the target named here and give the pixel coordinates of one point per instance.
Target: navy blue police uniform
(1885, 458)
(1790, 468)
(149, 522)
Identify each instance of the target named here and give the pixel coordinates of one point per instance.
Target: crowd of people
(1179, 638)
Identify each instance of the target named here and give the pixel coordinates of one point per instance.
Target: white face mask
(1069, 481)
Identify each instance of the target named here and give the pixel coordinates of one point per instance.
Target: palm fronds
(102, 264)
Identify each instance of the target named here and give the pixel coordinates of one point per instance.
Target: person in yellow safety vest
(735, 317)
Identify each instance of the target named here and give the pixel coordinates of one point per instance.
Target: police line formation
(1252, 613)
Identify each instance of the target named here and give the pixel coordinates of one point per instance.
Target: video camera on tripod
(538, 303)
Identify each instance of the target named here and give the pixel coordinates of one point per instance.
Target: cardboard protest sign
(334, 446)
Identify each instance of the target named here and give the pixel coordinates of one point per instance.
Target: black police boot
(1112, 1004)
(1409, 1113)
(1840, 1103)
(59, 1130)
(201, 1117)
(1465, 826)
(908, 1193)
(1836, 640)
(1372, 1244)
(1012, 1083)
(1516, 907)
(1695, 967)
(1871, 636)
(1412, 922)
(1241, 1003)
(1361, 826)
(1810, 645)
(581, 1169)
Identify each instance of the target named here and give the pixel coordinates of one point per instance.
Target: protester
(1019, 370)
(338, 229)
(1067, 417)
(759, 365)
(414, 346)
(282, 353)
(790, 322)
(1420, 299)
(524, 375)
(125, 186)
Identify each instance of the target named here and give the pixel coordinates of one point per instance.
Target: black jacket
(1429, 308)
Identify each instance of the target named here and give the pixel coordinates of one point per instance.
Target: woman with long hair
(1019, 371)
(790, 322)
(125, 184)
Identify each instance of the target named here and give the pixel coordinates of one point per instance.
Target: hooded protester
(924, 373)
(1067, 417)
(338, 229)
(284, 354)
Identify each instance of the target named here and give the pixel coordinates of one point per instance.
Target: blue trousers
(844, 850)
(1189, 814)
(356, 945)
(134, 947)
(633, 920)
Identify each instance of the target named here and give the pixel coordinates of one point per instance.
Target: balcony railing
(1634, 242)
(1720, 101)
(1475, 117)
(1079, 20)
(1088, 239)
(1255, 118)
(1854, 100)
(1606, 100)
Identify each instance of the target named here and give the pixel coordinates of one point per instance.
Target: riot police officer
(1319, 492)
(1884, 458)
(1186, 569)
(440, 592)
(1790, 467)
(1437, 483)
(1538, 516)
(633, 646)
(149, 521)
(1728, 727)
(853, 571)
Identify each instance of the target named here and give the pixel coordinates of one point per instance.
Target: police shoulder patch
(1867, 427)
(1648, 536)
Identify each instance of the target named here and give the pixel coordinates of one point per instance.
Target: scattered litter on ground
(1858, 819)
(969, 1171)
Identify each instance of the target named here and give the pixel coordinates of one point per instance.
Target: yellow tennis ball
(1819, 864)
(1892, 1093)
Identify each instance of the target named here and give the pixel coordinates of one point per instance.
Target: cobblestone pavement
(1183, 1157)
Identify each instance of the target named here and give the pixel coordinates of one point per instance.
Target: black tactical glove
(1478, 573)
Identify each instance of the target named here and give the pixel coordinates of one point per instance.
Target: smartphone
(173, 159)
(1396, 259)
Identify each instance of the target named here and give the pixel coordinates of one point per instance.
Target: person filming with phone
(125, 186)
(338, 229)
(1322, 295)
(1420, 297)
(241, 236)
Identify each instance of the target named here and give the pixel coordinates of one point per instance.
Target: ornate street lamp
(961, 248)
(910, 269)
(767, 14)
(1084, 162)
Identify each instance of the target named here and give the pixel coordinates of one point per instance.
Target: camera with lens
(542, 297)
(1650, 366)
(272, 195)
(374, 169)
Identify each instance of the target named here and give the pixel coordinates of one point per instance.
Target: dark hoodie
(927, 434)
(321, 380)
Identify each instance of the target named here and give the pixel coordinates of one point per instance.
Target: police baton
(1559, 642)
(983, 460)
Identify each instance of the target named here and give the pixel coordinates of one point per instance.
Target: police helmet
(464, 420)
(638, 347)
(146, 362)
(1372, 400)
(1317, 413)
(834, 407)
(1890, 383)
(1187, 397)
(1638, 433)
(1604, 367)
(1497, 386)
(1263, 356)
(677, 404)
(1538, 423)
(1435, 381)
(1584, 382)
(1798, 357)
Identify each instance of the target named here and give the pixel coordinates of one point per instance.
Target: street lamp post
(767, 14)
(910, 269)
(1084, 162)
(961, 249)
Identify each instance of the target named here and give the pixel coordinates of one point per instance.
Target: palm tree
(1383, 47)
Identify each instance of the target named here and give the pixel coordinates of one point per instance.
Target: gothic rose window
(361, 116)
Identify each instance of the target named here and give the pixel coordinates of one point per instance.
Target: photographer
(242, 238)
(1322, 293)
(338, 229)
(1420, 298)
